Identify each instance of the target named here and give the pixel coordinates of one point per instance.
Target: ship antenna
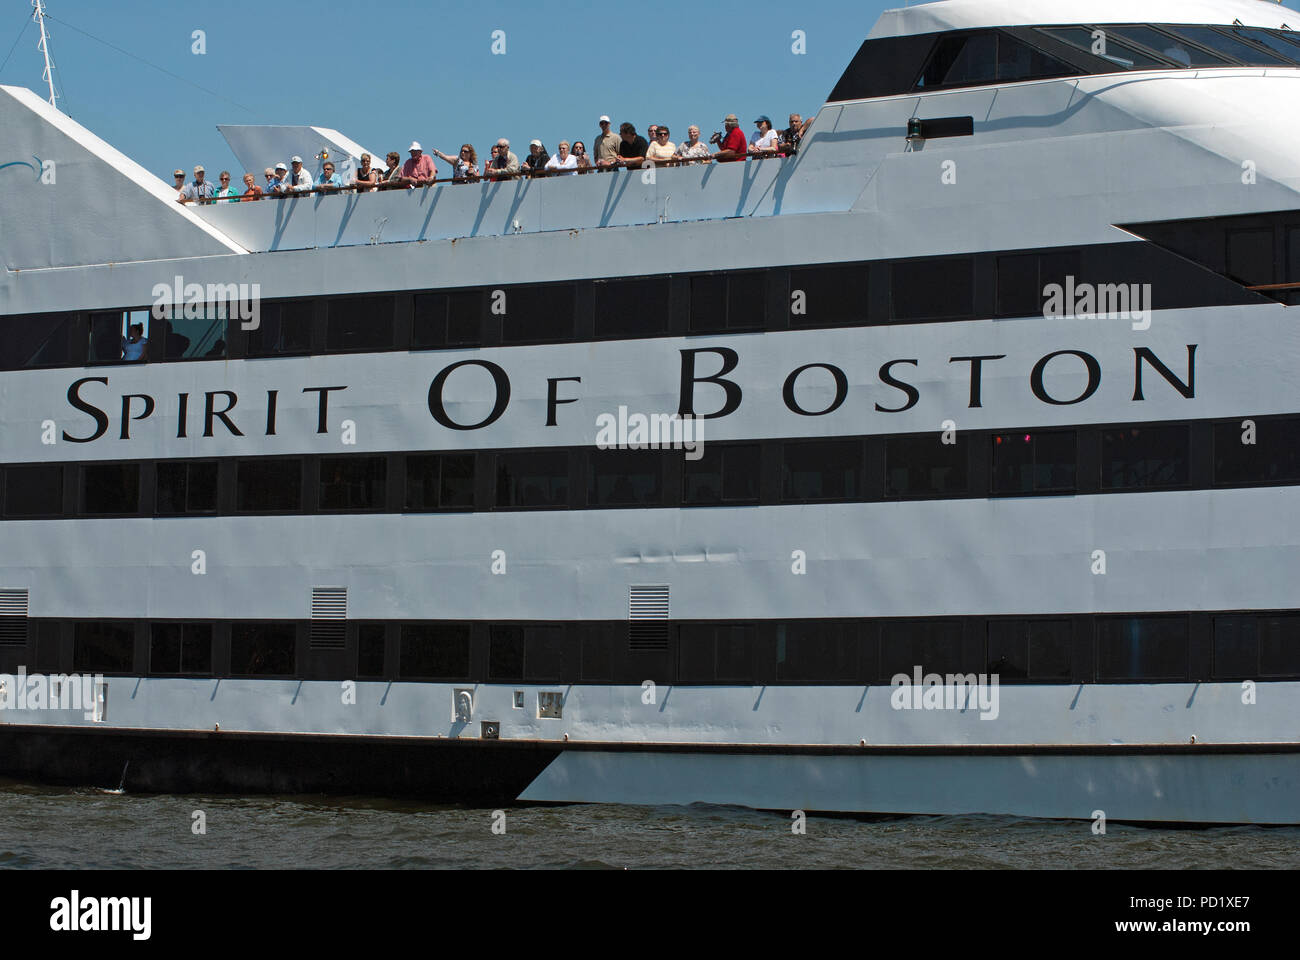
(44, 46)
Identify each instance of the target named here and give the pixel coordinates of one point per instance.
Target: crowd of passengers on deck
(626, 149)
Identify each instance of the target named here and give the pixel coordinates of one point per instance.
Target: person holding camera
(733, 145)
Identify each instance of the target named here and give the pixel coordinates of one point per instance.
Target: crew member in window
(135, 345)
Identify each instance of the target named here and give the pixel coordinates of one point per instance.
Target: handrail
(635, 163)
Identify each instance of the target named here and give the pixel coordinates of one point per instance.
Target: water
(51, 827)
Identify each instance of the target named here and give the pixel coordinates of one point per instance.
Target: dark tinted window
(533, 479)
(1232, 46)
(625, 477)
(821, 470)
(352, 483)
(447, 319)
(932, 645)
(1035, 462)
(180, 648)
(440, 482)
(536, 313)
(186, 487)
(723, 475)
(267, 485)
(1019, 61)
(1272, 456)
(106, 332)
(370, 650)
(1279, 645)
(965, 59)
(262, 649)
(934, 289)
(1023, 279)
(817, 651)
(34, 491)
(1180, 52)
(1144, 457)
(435, 651)
(360, 323)
(108, 488)
(1030, 649)
(715, 653)
(925, 466)
(36, 341)
(728, 301)
(1121, 54)
(506, 653)
(1236, 647)
(1275, 43)
(283, 328)
(189, 338)
(534, 654)
(632, 308)
(821, 296)
(1250, 256)
(103, 648)
(1142, 648)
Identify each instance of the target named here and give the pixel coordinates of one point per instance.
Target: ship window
(447, 319)
(35, 491)
(443, 482)
(1233, 47)
(726, 474)
(934, 289)
(184, 648)
(103, 648)
(925, 466)
(531, 314)
(1035, 461)
(1279, 646)
(715, 653)
(370, 650)
(1023, 280)
(1030, 649)
(968, 59)
(1250, 255)
(529, 654)
(728, 301)
(625, 478)
(1257, 450)
(283, 328)
(1134, 457)
(263, 649)
(187, 487)
(932, 645)
(821, 471)
(823, 296)
(352, 483)
(1104, 46)
(268, 485)
(1142, 648)
(632, 308)
(817, 651)
(1183, 54)
(1271, 40)
(108, 330)
(189, 338)
(360, 323)
(434, 651)
(1248, 647)
(37, 341)
(533, 479)
(110, 488)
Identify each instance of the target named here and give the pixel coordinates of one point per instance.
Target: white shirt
(763, 141)
(568, 166)
(304, 181)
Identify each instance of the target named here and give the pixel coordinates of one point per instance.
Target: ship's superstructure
(949, 465)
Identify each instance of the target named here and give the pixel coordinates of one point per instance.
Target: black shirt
(636, 149)
(536, 163)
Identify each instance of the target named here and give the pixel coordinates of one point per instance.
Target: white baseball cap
(535, 143)
(604, 120)
(295, 159)
(281, 166)
(415, 145)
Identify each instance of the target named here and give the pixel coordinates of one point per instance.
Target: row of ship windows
(1064, 649)
(855, 294)
(1164, 455)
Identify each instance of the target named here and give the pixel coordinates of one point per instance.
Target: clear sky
(385, 73)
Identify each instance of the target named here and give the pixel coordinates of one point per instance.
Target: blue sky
(385, 73)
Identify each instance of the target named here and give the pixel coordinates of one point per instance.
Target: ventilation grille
(647, 616)
(329, 617)
(13, 618)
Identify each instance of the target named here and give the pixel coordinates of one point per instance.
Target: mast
(44, 46)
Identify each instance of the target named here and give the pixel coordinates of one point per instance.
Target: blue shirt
(334, 181)
(134, 351)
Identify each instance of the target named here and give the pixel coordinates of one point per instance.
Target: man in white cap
(605, 147)
(198, 190)
(276, 179)
(419, 169)
(537, 157)
(299, 180)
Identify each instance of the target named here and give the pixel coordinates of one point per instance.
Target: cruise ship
(947, 465)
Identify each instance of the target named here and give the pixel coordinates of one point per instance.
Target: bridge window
(1181, 53)
(263, 649)
(1106, 46)
(971, 59)
(283, 328)
(1232, 46)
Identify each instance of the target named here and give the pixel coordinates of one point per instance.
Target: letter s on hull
(100, 417)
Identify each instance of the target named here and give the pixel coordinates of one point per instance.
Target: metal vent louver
(329, 617)
(13, 618)
(647, 616)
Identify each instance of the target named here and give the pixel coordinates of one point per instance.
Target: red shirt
(418, 168)
(735, 140)
(252, 193)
